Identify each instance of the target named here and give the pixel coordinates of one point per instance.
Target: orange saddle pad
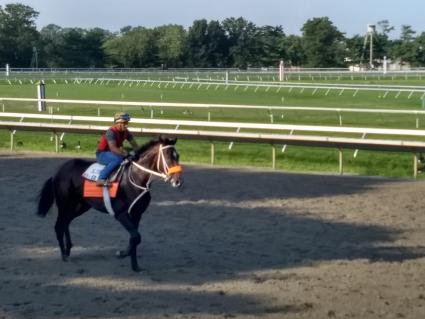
(91, 190)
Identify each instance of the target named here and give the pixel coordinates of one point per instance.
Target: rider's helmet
(121, 117)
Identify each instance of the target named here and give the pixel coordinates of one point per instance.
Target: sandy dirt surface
(234, 243)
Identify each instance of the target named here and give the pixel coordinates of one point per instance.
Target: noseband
(167, 171)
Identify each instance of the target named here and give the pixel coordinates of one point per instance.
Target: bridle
(165, 173)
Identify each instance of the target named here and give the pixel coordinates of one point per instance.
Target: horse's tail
(45, 198)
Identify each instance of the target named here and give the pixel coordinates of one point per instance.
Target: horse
(156, 158)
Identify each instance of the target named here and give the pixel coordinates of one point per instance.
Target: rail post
(212, 153)
(273, 157)
(415, 165)
(12, 144)
(56, 143)
(341, 166)
(41, 95)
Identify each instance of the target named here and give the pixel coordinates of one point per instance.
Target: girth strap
(107, 201)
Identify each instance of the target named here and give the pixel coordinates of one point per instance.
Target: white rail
(216, 106)
(340, 143)
(352, 87)
(230, 125)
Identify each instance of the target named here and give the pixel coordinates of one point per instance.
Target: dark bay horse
(156, 158)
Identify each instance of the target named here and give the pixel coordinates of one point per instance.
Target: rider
(109, 150)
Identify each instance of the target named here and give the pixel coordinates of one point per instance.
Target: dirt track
(231, 244)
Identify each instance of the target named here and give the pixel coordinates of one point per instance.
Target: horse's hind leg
(61, 228)
(68, 242)
(135, 239)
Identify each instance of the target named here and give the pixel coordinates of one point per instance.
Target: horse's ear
(158, 139)
(167, 140)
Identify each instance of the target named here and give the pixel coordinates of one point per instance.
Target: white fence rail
(229, 125)
(210, 107)
(207, 130)
(339, 143)
(277, 85)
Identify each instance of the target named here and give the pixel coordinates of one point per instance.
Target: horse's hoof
(136, 268)
(64, 257)
(122, 254)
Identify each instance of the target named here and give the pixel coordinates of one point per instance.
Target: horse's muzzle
(176, 181)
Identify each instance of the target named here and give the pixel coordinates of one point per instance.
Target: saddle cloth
(90, 176)
(93, 171)
(91, 190)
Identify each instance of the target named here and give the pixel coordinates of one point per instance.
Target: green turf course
(293, 159)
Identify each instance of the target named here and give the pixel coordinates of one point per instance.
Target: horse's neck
(148, 161)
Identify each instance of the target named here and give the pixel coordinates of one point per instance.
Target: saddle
(91, 174)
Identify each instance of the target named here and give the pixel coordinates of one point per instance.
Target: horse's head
(159, 157)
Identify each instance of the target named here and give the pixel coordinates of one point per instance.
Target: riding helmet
(121, 117)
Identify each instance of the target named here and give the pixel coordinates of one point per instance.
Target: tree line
(231, 43)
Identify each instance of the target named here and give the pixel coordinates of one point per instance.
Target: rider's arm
(110, 138)
(116, 150)
(132, 141)
(134, 144)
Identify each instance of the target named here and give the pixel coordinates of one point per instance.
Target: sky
(349, 16)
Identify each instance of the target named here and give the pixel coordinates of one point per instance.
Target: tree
(356, 50)
(171, 44)
(384, 26)
(134, 49)
(381, 40)
(405, 48)
(217, 45)
(92, 47)
(51, 42)
(271, 45)
(420, 50)
(71, 50)
(322, 43)
(18, 34)
(197, 44)
(72, 47)
(243, 41)
(295, 55)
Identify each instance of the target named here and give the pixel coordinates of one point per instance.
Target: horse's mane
(147, 146)
(142, 149)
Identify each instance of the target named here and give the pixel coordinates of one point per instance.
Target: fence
(209, 107)
(267, 85)
(340, 143)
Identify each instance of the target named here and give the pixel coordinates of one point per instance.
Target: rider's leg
(111, 161)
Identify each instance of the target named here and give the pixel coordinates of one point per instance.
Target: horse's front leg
(135, 240)
(135, 218)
